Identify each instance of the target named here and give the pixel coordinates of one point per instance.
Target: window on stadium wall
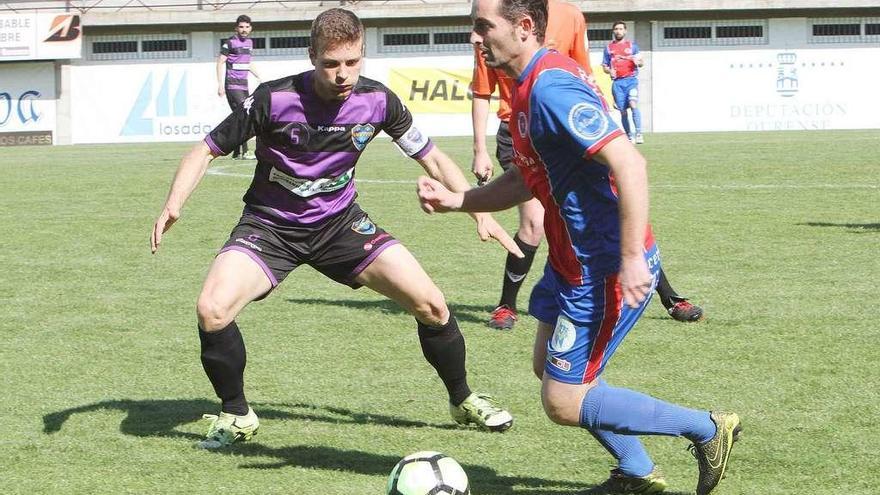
(712, 33)
(137, 47)
(429, 39)
(845, 30)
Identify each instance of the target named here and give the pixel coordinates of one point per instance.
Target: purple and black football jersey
(238, 61)
(307, 148)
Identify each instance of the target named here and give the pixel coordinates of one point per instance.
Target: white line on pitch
(220, 171)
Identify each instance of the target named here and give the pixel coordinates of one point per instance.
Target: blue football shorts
(625, 90)
(590, 321)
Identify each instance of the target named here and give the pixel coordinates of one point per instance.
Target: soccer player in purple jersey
(602, 264)
(300, 209)
(233, 65)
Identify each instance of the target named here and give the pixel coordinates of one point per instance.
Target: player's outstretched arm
(191, 170)
(482, 166)
(507, 191)
(447, 172)
(631, 177)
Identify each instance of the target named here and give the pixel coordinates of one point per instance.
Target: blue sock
(624, 119)
(632, 413)
(632, 458)
(637, 119)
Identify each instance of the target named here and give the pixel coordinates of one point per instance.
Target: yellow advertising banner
(603, 80)
(429, 90)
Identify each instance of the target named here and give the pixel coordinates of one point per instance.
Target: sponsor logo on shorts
(361, 135)
(564, 335)
(364, 226)
(559, 363)
(372, 243)
(249, 243)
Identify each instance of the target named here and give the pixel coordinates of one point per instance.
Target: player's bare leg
(528, 237)
(397, 275)
(539, 350)
(233, 281)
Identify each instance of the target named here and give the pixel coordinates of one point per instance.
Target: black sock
(516, 268)
(443, 347)
(668, 296)
(224, 359)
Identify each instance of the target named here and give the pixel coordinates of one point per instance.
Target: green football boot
(712, 456)
(227, 429)
(483, 411)
(620, 483)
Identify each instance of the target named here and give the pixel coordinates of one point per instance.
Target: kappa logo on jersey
(361, 135)
(588, 121)
(564, 335)
(364, 226)
(247, 104)
(522, 124)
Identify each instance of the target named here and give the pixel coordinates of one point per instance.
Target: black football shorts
(340, 248)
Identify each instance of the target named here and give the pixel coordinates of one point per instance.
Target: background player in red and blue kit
(300, 209)
(622, 61)
(566, 29)
(233, 66)
(603, 262)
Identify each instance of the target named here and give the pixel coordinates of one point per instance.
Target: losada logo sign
(64, 28)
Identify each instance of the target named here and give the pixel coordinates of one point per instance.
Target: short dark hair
(335, 26)
(242, 18)
(514, 10)
(618, 22)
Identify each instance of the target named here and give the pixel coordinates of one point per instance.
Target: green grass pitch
(776, 235)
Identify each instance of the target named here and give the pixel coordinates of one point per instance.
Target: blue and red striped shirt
(559, 121)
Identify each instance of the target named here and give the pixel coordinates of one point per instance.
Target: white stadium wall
(785, 82)
(788, 84)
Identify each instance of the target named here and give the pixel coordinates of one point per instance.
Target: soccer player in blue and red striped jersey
(603, 261)
(621, 61)
(300, 209)
(233, 66)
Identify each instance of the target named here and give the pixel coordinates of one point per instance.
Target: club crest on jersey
(588, 121)
(361, 135)
(564, 335)
(522, 124)
(364, 226)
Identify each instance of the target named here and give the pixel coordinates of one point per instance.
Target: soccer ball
(427, 473)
